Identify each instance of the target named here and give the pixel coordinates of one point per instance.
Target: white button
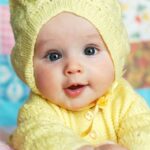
(93, 134)
(89, 115)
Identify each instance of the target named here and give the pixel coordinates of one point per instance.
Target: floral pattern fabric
(138, 66)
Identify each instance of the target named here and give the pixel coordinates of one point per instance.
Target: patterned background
(138, 67)
(136, 15)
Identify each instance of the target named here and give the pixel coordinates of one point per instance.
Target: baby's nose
(73, 68)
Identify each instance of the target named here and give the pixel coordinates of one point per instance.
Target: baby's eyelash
(90, 51)
(49, 52)
(96, 46)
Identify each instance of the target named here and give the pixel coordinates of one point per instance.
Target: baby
(71, 53)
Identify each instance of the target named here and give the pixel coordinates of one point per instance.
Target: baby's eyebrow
(92, 35)
(42, 42)
(95, 37)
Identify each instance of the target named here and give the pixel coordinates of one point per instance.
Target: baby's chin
(71, 108)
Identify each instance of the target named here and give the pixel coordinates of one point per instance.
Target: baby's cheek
(41, 80)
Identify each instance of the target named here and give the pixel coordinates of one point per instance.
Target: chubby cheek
(102, 75)
(44, 79)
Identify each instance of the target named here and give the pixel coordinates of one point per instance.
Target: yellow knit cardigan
(120, 116)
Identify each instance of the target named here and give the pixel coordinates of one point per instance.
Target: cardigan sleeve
(40, 128)
(134, 130)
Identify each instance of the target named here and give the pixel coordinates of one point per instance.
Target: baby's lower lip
(74, 92)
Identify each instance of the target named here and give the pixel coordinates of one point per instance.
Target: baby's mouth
(74, 90)
(75, 87)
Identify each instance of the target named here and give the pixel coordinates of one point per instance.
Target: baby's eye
(90, 51)
(53, 56)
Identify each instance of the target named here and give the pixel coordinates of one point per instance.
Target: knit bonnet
(28, 16)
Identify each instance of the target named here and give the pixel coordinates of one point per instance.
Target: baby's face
(72, 67)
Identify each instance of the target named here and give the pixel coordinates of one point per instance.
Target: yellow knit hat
(28, 16)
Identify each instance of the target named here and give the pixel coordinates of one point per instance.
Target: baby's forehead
(70, 21)
(68, 25)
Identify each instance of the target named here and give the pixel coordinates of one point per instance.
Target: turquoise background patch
(3, 2)
(13, 92)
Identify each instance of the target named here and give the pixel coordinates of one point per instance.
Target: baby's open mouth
(75, 87)
(74, 90)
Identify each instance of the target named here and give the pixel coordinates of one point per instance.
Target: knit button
(89, 115)
(93, 135)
